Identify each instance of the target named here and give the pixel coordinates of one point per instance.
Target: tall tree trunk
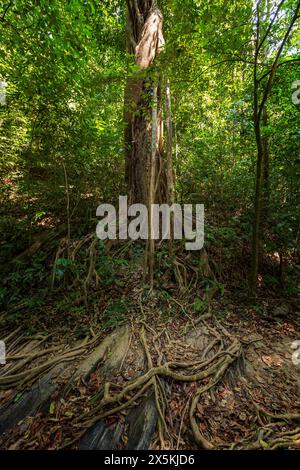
(259, 109)
(266, 183)
(144, 40)
(170, 171)
(265, 188)
(261, 197)
(257, 209)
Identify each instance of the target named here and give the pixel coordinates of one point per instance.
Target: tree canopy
(167, 102)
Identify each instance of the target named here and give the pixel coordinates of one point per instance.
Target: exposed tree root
(203, 371)
(12, 378)
(210, 370)
(207, 371)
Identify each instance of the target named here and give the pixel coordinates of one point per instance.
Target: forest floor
(165, 369)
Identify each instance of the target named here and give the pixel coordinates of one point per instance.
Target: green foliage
(63, 63)
(65, 67)
(213, 286)
(105, 266)
(115, 314)
(200, 305)
(220, 236)
(163, 260)
(63, 267)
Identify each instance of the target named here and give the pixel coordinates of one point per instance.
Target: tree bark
(144, 41)
(257, 209)
(266, 183)
(259, 109)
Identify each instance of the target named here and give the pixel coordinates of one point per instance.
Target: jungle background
(226, 317)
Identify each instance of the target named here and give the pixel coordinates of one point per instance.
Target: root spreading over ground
(178, 367)
(212, 388)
